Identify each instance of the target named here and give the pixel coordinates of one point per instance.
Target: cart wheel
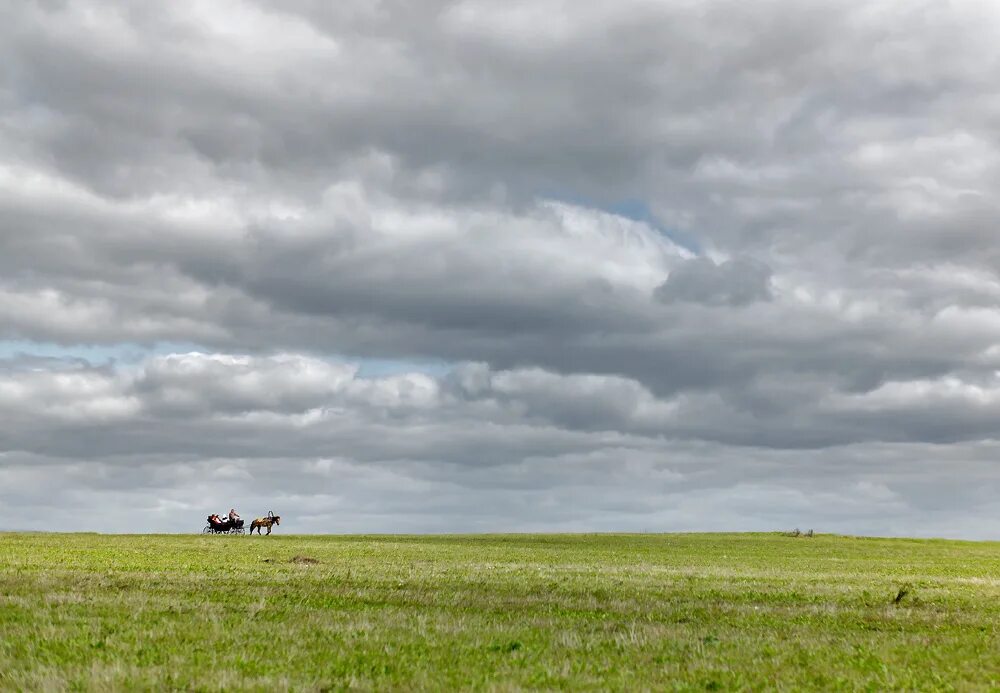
(207, 530)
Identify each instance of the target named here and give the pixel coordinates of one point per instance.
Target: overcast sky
(498, 266)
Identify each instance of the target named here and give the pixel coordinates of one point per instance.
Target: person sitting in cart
(233, 516)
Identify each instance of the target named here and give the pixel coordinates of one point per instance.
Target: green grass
(626, 612)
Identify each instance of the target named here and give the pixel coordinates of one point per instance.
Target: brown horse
(271, 519)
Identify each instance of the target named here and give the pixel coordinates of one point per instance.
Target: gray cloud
(736, 282)
(433, 181)
(176, 434)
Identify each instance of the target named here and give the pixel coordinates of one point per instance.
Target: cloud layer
(680, 265)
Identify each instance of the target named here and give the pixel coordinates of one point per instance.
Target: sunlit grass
(497, 612)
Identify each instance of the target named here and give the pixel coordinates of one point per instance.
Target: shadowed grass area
(627, 612)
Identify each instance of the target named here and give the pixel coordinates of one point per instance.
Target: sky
(526, 266)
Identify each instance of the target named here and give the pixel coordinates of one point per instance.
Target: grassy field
(627, 612)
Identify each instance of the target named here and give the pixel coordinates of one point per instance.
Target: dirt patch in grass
(304, 560)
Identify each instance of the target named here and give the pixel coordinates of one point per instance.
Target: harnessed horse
(271, 519)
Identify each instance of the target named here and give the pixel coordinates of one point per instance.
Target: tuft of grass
(903, 591)
(511, 646)
(507, 612)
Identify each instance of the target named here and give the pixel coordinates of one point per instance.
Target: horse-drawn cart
(223, 526)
